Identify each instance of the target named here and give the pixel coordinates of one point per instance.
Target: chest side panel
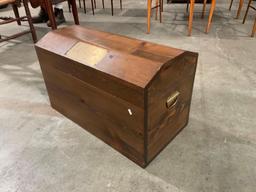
(169, 97)
(113, 119)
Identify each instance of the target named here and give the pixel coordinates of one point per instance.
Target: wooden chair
(192, 3)
(158, 4)
(191, 14)
(245, 16)
(18, 19)
(48, 6)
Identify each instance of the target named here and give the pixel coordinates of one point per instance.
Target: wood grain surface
(121, 98)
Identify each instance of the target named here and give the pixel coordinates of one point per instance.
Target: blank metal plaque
(86, 53)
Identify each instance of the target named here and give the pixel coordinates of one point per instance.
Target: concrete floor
(40, 150)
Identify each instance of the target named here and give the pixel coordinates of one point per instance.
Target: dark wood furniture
(245, 16)
(18, 19)
(48, 6)
(132, 94)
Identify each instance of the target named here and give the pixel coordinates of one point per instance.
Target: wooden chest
(133, 95)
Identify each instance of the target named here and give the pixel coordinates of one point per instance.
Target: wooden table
(191, 13)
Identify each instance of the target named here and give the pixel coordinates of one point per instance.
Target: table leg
(191, 14)
(149, 15)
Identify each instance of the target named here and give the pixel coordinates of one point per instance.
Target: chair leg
(121, 5)
(95, 4)
(210, 16)
(149, 16)
(254, 28)
(74, 11)
(162, 5)
(231, 3)
(161, 10)
(103, 4)
(187, 5)
(204, 6)
(191, 14)
(69, 7)
(84, 6)
(92, 7)
(16, 13)
(31, 26)
(112, 8)
(48, 5)
(241, 2)
(245, 16)
(157, 8)
(79, 2)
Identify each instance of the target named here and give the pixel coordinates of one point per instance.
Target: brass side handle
(172, 100)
